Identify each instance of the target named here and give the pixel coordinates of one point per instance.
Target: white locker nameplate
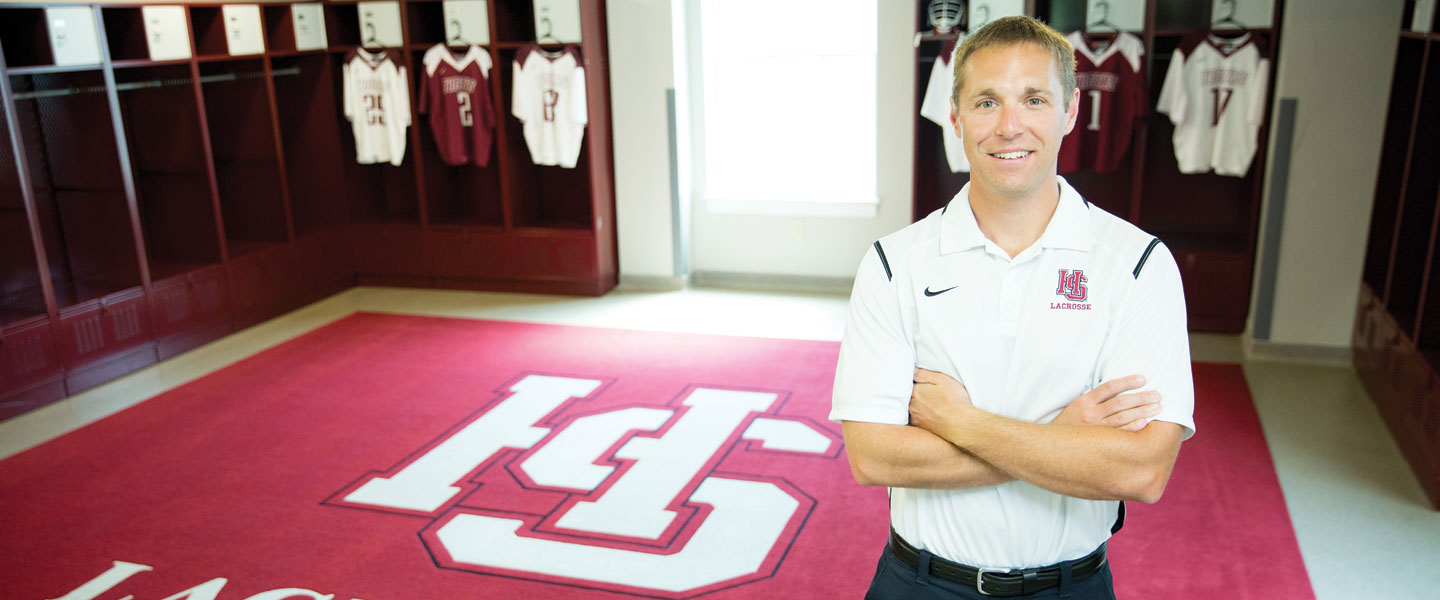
(309, 21)
(1253, 14)
(166, 32)
(243, 33)
(73, 38)
(380, 24)
(557, 21)
(466, 22)
(1125, 15)
(985, 11)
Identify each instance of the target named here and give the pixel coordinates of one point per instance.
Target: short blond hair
(1009, 31)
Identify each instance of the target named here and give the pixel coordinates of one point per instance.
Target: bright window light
(789, 101)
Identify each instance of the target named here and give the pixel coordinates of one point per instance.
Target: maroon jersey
(1112, 99)
(456, 96)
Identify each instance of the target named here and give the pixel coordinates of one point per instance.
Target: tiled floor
(1364, 525)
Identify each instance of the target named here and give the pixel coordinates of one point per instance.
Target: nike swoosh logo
(930, 293)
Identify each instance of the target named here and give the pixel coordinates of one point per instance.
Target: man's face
(1011, 115)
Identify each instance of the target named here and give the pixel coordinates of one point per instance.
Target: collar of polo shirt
(1068, 228)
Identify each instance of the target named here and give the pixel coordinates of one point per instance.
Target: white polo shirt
(1095, 298)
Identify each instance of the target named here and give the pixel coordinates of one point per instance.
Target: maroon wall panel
(312, 136)
(78, 134)
(325, 260)
(98, 242)
(95, 330)
(388, 250)
(460, 254)
(178, 221)
(27, 355)
(565, 257)
(191, 300)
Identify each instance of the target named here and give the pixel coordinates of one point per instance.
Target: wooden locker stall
(466, 245)
(1396, 339)
(83, 200)
(305, 97)
(197, 175)
(31, 373)
(189, 301)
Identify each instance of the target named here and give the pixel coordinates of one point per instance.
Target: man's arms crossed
(1079, 460)
(908, 456)
(905, 456)
(1096, 463)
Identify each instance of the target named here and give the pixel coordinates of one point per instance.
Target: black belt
(1000, 582)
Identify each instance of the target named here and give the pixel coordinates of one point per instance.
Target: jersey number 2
(466, 118)
(1222, 100)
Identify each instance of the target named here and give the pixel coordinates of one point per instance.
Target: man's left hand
(937, 401)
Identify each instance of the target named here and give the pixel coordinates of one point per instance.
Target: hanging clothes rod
(153, 83)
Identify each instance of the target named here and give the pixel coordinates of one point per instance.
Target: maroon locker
(248, 279)
(30, 367)
(325, 262)
(266, 283)
(1217, 288)
(118, 302)
(99, 328)
(190, 309)
(103, 339)
(463, 253)
(388, 253)
(281, 266)
(559, 255)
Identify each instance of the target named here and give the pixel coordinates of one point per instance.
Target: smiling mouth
(1016, 155)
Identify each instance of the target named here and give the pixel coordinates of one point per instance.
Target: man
(973, 333)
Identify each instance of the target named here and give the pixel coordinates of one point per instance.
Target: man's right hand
(1108, 405)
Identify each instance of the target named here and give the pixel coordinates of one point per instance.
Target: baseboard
(653, 283)
(773, 282)
(123, 363)
(1304, 353)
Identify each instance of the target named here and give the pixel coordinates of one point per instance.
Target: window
(788, 106)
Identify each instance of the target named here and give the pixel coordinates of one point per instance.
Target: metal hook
(370, 32)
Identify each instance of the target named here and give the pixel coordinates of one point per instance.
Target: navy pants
(895, 580)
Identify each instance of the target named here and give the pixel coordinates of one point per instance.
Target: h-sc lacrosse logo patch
(541, 484)
(1072, 285)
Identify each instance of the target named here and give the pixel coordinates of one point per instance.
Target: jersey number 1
(1222, 100)
(1094, 111)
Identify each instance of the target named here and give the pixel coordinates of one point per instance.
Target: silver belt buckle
(980, 579)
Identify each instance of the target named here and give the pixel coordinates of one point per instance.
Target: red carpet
(395, 458)
(1222, 529)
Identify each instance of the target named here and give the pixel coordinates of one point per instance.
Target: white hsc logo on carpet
(610, 511)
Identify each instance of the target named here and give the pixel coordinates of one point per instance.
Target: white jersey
(377, 103)
(549, 98)
(936, 106)
(1215, 92)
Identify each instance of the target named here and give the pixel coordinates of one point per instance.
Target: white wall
(829, 247)
(641, 71)
(1336, 59)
